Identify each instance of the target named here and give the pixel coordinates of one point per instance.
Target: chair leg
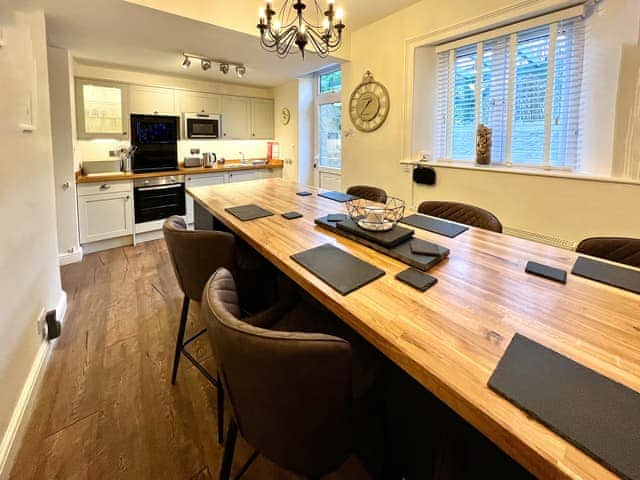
(229, 447)
(180, 339)
(220, 398)
(246, 466)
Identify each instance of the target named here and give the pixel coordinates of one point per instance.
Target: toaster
(192, 162)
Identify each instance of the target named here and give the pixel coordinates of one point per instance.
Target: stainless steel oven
(202, 125)
(158, 198)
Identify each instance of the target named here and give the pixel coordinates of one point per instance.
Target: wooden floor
(106, 408)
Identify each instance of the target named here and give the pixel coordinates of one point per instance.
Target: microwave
(202, 125)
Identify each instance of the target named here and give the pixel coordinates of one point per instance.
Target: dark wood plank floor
(106, 407)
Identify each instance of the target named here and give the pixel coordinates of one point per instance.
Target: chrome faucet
(243, 160)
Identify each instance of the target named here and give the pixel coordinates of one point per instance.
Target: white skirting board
(12, 437)
(70, 257)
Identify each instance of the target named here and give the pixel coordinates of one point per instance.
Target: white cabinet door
(272, 173)
(150, 100)
(202, 180)
(194, 102)
(104, 216)
(244, 175)
(261, 118)
(236, 118)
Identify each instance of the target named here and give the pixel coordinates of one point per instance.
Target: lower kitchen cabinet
(202, 180)
(104, 216)
(244, 175)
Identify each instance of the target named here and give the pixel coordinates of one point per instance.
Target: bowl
(373, 216)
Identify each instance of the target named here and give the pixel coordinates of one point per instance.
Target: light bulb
(261, 14)
(276, 26)
(339, 14)
(326, 24)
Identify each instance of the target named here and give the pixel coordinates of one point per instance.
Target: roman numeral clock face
(369, 106)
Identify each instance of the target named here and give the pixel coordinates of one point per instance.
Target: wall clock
(285, 116)
(369, 104)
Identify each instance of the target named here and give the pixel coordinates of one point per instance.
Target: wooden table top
(451, 338)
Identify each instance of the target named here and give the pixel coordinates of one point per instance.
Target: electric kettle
(208, 159)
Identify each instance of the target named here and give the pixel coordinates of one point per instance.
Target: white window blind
(524, 82)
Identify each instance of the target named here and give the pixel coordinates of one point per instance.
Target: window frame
(79, 99)
(444, 127)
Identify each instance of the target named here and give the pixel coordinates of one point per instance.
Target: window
(101, 109)
(523, 83)
(330, 82)
(328, 123)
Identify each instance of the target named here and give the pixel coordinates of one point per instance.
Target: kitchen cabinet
(101, 109)
(202, 180)
(196, 102)
(105, 211)
(152, 100)
(236, 118)
(244, 175)
(262, 118)
(271, 173)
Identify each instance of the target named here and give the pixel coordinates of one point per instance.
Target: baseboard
(102, 245)
(70, 257)
(12, 437)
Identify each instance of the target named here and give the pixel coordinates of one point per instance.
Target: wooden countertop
(233, 166)
(451, 338)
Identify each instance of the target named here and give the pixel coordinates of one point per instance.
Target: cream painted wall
(286, 96)
(29, 274)
(375, 157)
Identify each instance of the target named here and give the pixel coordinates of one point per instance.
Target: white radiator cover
(540, 238)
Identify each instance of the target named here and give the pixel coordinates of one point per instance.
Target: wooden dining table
(450, 338)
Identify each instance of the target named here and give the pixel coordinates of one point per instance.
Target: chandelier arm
(317, 42)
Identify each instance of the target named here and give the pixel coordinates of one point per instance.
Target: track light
(241, 70)
(186, 63)
(224, 68)
(206, 64)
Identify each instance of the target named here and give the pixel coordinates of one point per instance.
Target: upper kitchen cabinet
(236, 118)
(195, 102)
(152, 100)
(262, 118)
(102, 109)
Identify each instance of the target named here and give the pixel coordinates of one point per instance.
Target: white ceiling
(122, 33)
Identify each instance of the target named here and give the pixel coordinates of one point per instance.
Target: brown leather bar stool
(373, 194)
(615, 249)
(195, 255)
(462, 213)
(292, 392)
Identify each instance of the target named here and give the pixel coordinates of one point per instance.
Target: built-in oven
(202, 125)
(158, 198)
(155, 138)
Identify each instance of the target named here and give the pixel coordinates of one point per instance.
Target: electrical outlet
(40, 319)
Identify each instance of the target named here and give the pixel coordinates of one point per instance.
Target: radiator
(540, 238)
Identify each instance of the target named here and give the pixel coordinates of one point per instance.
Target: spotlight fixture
(206, 64)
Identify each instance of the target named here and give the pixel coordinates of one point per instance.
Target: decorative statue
(483, 145)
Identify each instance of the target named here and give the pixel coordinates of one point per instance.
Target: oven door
(158, 202)
(202, 127)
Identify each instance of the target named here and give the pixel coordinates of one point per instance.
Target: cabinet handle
(253, 134)
(104, 186)
(127, 197)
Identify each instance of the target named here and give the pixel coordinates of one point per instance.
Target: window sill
(521, 171)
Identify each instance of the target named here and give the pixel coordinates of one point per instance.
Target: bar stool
(195, 255)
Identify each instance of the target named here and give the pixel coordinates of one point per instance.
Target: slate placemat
(613, 275)
(599, 416)
(434, 225)
(401, 252)
(248, 212)
(389, 239)
(339, 269)
(337, 196)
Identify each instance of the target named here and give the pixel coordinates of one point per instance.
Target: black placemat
(304, 194)
(339, 269)
(609, 274)
(596, 414)
(248, 212)
(424, 248)
(401, 252)
(337, 196)
(434, 225)
(417, 279)
(545, 271)
(389, 239)
(292, 215)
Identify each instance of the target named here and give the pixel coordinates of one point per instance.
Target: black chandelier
(279, 33)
